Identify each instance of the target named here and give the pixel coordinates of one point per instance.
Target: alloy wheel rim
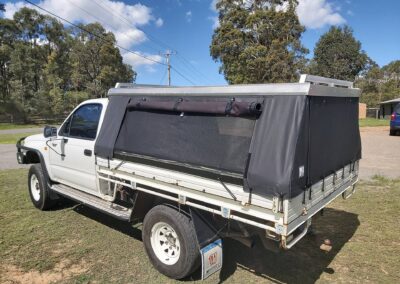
(35, 188)
(165, 243)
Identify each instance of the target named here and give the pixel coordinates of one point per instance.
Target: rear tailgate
(303, 207)
(332, 140)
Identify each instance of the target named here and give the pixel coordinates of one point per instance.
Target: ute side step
(117, 211)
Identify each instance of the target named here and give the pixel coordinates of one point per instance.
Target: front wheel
(170, 241)
(38, 188)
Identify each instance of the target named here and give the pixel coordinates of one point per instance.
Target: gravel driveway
(381, 153)
(21, 130)
(8, 157)
(8, 151)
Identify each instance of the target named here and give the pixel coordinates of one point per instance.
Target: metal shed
(387, 107)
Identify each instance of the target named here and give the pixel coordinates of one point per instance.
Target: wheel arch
(37, 158)
(144, 202)
(32, 157)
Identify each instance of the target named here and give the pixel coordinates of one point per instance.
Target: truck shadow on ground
(102, 218)
(304, 263)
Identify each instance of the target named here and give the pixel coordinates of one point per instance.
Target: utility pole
(167, 55)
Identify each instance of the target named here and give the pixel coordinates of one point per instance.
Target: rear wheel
(392, 132)
(170, 242)
(38, 188)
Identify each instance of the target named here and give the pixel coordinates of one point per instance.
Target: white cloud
(188, 16)
(159, 22)
(215, 21)
(116, 16)
(11, 8)
(136, 60)
(213, 5)
(315, 14)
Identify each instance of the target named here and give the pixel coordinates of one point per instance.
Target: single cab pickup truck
(196, 165)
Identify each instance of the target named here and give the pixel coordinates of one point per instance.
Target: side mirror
(49, 131)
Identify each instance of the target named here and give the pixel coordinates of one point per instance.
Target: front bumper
(21, 155)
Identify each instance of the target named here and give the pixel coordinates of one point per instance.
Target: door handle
(87, 152)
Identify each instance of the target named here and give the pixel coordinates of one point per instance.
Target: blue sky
(150, 27)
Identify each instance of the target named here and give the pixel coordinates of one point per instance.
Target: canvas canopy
(272, 142)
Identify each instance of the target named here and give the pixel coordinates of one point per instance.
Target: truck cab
(68, 152)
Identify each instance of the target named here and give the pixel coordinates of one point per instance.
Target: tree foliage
(47, 68)
(380, 84)
(258, 41)
(338, 55)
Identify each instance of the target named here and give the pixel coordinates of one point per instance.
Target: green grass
(75, 244)
(5, 126)
(13, 138)
(373, 122)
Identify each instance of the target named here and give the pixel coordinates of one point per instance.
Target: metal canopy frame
(308, 86)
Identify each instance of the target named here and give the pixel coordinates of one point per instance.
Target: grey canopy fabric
(104, 146)
(272, 145)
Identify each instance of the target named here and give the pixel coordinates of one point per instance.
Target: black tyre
(38, 190)
(392, 132)
(170, 241)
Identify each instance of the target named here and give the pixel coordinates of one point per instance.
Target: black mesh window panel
(203, 140)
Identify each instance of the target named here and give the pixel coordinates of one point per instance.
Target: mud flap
(211, 259)
(209, 242)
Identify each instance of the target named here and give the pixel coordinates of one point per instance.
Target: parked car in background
(395, 121)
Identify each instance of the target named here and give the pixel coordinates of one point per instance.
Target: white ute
(129, 156)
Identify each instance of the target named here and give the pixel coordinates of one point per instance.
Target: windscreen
(397, 109)
(199, 139)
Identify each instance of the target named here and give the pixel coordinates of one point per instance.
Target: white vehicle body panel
(73, 168)
(69, 169)
(282, 218)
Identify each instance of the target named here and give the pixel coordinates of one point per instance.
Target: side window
(65, 128)
(83, 122)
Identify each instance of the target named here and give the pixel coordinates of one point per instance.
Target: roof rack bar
(317, 80)
(132, 85)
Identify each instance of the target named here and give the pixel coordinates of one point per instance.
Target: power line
(97, 18)
(163, 76)
(152, 38)
(93, 34)
(119, 15)
(106, 40)
(195, 71)
(180, 74)
(167, 54)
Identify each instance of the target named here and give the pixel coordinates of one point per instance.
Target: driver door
(72, 159)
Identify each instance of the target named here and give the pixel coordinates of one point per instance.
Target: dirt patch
(62, 271)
